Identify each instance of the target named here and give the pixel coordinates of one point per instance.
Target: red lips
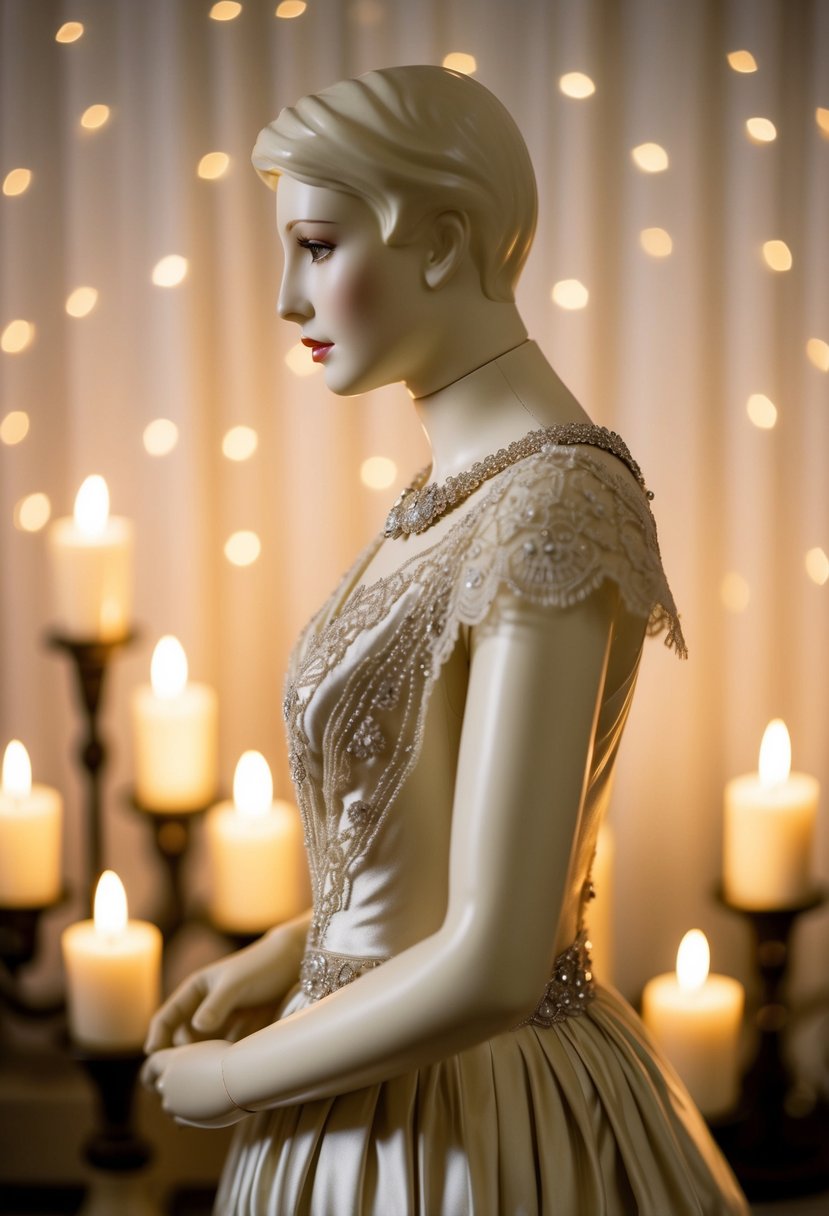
(319, 350)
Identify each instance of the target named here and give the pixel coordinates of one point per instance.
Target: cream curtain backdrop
(667, 350)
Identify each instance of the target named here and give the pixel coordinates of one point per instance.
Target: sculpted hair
(414, 142)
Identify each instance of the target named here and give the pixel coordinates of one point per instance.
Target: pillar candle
(30, 835)
(257, 865)
(175, 735)
(695, 1018)
(92, 567)
(113, 972)
(768, 830)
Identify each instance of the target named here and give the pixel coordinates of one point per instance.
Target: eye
(319, 250)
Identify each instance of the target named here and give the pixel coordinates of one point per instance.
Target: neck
(492, 405)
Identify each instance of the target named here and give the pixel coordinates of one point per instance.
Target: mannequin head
(412, 143)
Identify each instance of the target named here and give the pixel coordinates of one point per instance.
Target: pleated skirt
(580, 1119)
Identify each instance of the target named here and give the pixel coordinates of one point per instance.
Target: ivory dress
(572, 1113)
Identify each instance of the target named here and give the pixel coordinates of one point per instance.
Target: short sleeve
(563, 524)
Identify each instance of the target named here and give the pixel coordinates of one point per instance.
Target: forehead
(297, 201)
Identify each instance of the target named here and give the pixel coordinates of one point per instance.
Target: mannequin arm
(535, 685)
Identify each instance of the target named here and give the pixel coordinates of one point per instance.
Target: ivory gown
(573, 1113)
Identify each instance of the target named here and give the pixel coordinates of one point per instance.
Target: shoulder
(556, 527)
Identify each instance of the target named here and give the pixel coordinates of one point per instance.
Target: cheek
(355, 296)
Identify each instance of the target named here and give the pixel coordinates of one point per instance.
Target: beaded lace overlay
(550, 529)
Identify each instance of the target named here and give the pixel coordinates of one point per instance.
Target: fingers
(176, 1010)
(153, 1070)
(213, 1011)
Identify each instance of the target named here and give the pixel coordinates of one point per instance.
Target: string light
(17, 181)
(460, 61)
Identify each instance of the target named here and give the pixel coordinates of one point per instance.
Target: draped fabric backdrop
(668, 349)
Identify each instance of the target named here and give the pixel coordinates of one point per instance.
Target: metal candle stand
(171, 836)
(775, 1153)
(19, 934)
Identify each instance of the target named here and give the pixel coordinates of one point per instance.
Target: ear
(447, 247)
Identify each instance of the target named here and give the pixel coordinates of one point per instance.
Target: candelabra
(19, 938)
(171, 832)
(776, 1151)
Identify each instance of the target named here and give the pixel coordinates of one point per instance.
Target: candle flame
(252, 786)
(17, 771)
(110, 908)
(775, 754)
(168, 668)
(693, 959)
(92, 506)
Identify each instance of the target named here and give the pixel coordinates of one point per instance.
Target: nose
(293, 303)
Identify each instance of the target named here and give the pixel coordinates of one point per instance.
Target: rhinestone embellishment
(368, 740)
(571, 987)
(322, 972)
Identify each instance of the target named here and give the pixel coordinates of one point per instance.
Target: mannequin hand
(260, 974)
(189, 1082)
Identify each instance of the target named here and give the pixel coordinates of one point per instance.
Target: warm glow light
(160, 437)
(817, 566)
(777, 255)
(252, 786)
(81, 302)
(17, 771)
(17, 336)
(460, 61)
(576, 84)
(17, 181)
(693, 959)
(110, 907)
(168, 668)
(70, 31)
(656, 241)
(213, 165)
(775, 754)
(735, 592)
(570, 294)
(225, 10)
(378, 472)
(650, 158)
(92, 506)
(94, 117)
(291, 8)
(818, 353)
(742, 61)
(822, 120)
(761, 411)
(242, 548)
(32, 512)
(761, 130)
(239, 443)
(170, 270)
(14, 428)
(300, 362)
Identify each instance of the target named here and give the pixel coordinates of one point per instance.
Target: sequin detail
(571, 987)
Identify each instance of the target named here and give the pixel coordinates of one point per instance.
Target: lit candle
(113, 972)
(175, 733)
(30, 835)
(91, 559)
(258, 874)
(695, 1018)
(768, 829)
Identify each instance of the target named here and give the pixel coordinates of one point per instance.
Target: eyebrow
(291, 223)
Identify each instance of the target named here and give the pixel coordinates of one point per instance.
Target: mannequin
(434, 1040)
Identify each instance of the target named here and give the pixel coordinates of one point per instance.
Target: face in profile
(363, 306)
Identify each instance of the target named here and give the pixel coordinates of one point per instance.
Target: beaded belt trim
(570, 990)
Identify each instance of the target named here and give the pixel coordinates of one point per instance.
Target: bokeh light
(777, 255)
(70, 31)
(160, 437)
(817, 566)
(378, 472)
(14, 428)
(822, 120)
(290, 8)
(32, 512)
(239, 443)
(650, 158)
(656, 241)
(742, 61)
(818, 353)
(213, 165)
(81, 302)
(170, 270)
(761, 130)
(460, 61)
(17, 335)
(300, 362)
(225, 10)
(735, 592)
(570, 294)
(94, 117)
(17, 181)
(242, 548)
(577, 85)
(761, 411)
